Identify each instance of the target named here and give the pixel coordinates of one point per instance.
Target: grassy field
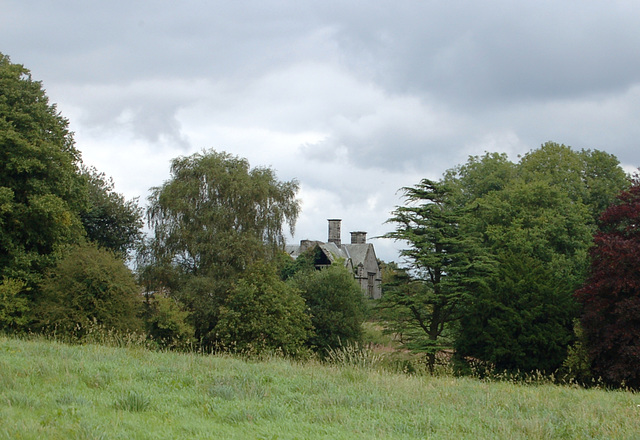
(50, 390)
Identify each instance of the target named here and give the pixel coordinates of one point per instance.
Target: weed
(354, 355)
(133, 401)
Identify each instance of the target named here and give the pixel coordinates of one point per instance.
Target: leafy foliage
(611, 296)
(539, 226)
(305, 261)
(590, 177)
(336, 305)
(167, 322)
(14, 306)
(441, 265)
(109, 220)
(89, 286)
(41, 190)
(503, 246)
(262, 312)
(521, 319)
(216, 215)
(213, 220)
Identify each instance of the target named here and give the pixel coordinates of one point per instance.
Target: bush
(167, 322)
(89, 286)
(336, 304)
(13, 306)
(262, 313)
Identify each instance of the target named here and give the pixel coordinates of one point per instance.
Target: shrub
(262, 313)
(335, 303)
(89, 286)
(13, 306)
(167, 322)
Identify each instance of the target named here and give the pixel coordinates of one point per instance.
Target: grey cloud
(124, 40)
(492, 53)
(335, 93)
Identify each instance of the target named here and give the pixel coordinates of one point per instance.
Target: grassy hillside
(50, 390)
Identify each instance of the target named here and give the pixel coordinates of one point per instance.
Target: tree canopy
(109, 219)
(48, 200)
(214, 218)
(216, 215)
(41, 190)
(503, 246)
(335, 303)
(610, 297)
(538, 226)
(262, 312)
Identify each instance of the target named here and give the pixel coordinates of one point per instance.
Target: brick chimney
(358, 237)
(334, 231)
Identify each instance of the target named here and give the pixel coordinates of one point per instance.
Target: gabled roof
(332, 251)
(353, 254)
(358, 252)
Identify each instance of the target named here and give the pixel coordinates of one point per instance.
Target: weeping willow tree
(215, 217)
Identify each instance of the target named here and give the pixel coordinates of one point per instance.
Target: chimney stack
(305, 245)
(358, 237)
(334, 231)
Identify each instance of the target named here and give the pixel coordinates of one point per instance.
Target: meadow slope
(50, 390)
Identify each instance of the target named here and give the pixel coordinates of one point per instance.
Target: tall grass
(52, 390)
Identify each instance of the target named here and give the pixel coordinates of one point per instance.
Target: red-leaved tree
(611, 295)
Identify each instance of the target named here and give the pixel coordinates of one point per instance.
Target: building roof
(354, 253)
(357, 252)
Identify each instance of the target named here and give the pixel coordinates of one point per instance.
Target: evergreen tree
(520, 320)
(441, 266)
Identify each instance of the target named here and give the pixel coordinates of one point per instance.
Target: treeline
(500, 268)
(213, 274)
(496, 252)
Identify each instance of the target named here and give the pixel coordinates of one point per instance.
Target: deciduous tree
(41, 190)
(109, 219)
(610, 298)
(212, 220)
(541, 215)
(262, 312)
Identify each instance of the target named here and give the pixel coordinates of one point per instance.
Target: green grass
(50, 390)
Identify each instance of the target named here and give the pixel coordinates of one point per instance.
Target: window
(370, 283)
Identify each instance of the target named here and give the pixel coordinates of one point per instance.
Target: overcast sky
(353, 99)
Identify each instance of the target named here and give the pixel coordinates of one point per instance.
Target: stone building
(358, 256)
